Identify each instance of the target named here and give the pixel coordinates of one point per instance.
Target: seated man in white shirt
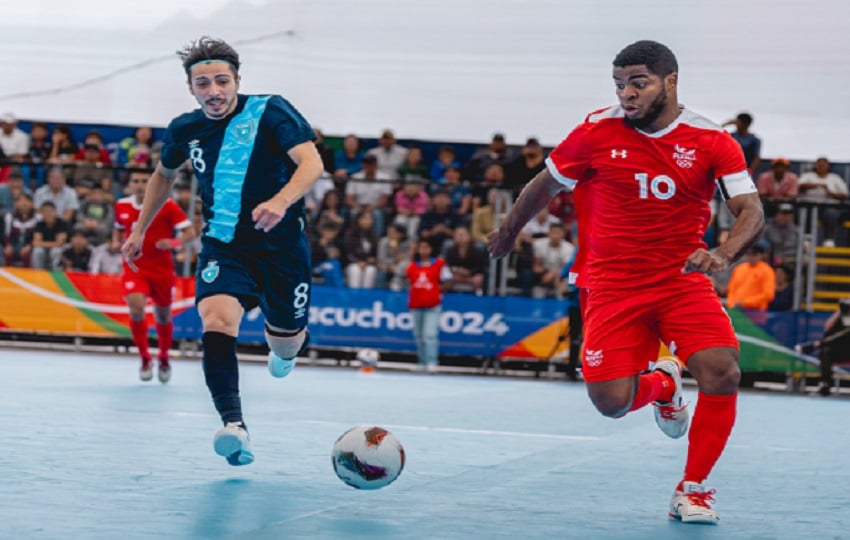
(822, 186)
(551, 254)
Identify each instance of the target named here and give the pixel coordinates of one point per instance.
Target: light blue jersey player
(255, 159)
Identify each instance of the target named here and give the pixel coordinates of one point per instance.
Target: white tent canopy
(441, 69)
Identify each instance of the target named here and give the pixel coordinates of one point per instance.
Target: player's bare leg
(717, 374)
(285, 347)
(139, 331)
(221, 315)
(164, 333)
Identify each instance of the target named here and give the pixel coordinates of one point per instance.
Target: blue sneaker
(280, 367)
(233, 443)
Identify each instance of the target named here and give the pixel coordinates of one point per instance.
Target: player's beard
(653, 112)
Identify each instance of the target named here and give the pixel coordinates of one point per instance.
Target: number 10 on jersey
(662, 187)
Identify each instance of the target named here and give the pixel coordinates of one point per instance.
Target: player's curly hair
(208, 48)
(658, 58)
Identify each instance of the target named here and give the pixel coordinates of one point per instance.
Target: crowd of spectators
(373, 204)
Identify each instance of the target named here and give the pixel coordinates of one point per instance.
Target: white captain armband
(732, 185)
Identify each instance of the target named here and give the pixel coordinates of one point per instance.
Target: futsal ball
(367, 457)
(368, 357)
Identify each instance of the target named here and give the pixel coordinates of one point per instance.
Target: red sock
(710, 428)
(164, 332)
(654, 386)
(139, 330)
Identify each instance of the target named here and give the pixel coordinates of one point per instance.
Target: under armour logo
(618, 153)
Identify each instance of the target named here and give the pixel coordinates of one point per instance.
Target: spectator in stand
(781, 236)
(783, 299)
(750, 144)
(394, 253)
(369, 191)
(19, 226)
(753, 282)
(39, 152)
(349, 160)
(94, 138)
(325, 253)
(332, 210)
(361, 252)
(484, 217)
(538, 227)
(106, 258)
(325, 152)
(77, 257)
(497, 152)
(89, 171)
(428, 276)
(62, 146)
(96, 216)
(446, 159)
(438, 224)
(414, 167)
(822, 186)
(494, 178)
(551, 255)
(460, 194)
(563, 207)
(390, 154)
(467, 261)
(57, 191)
(140, 150)
(410, 203)
(14, 142)
(778, 183)
(10, 191)
(49, 238)
(530, 162)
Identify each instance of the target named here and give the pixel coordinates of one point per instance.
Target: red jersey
(425, 283)
(642, 199)
(169, 218)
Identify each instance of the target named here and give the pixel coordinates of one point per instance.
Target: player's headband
(210, 61)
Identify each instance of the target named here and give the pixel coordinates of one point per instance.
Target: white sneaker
(693, 504)
(146, 371)
(164, 372)
(280, 367)
(672, 417)
(233, 443)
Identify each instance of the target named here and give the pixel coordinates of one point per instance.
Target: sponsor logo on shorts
(210, 272)
(593, 358)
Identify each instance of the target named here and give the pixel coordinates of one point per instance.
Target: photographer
(834, 345)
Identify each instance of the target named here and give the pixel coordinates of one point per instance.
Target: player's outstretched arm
(749, 212)
(535, 197)
(269, 213)
(157, 192)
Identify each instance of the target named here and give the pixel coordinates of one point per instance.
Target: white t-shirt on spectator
(553, 258)
(389, 160)
(368, 192)
(15, 143)
(536, 229)
(831, 183)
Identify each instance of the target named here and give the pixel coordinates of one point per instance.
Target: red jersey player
(154, 276)
(643, 174)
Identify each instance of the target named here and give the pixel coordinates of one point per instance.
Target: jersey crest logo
(244, 131)
(593, 358)
(209, 273)
(618, 153)
(684, 158)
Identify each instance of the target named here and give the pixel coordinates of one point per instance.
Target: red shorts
(159, 286)
(624, 328)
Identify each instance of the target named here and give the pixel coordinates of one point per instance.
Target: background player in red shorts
(643, 174)
(154, 274)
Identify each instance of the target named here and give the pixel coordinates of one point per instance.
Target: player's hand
(164, 244)
(707, 262)
(132, 250)
(268, 214)
(500, 242)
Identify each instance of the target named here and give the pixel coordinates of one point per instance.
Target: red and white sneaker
(692, 504)
(146, 370)
(672, 417)
(164, 371)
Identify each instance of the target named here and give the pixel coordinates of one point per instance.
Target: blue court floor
(91, 452)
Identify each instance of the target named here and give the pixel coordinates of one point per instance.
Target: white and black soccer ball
(368, 357)
(367, 457)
